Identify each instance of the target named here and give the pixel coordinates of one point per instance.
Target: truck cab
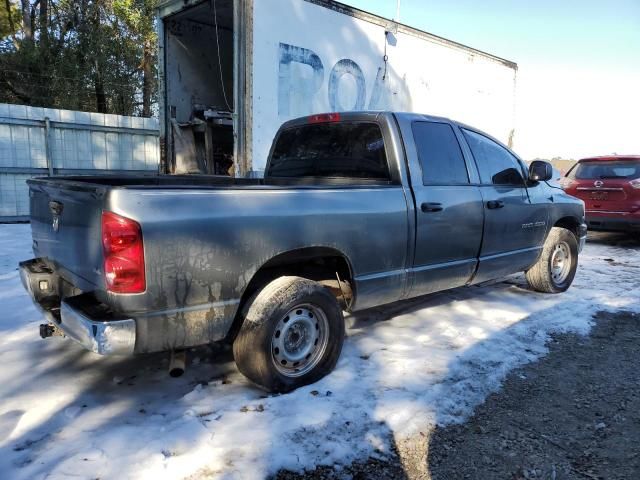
(476, 212)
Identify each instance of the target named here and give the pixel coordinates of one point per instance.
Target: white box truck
(232, 71)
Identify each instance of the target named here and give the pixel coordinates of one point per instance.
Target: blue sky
(582, 57)
(606, 33)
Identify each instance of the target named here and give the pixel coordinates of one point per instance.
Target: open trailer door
(198, 71)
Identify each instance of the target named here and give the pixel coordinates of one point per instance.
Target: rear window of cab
(330, 150)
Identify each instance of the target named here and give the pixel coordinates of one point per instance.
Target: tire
(291, 336)
(555, 269)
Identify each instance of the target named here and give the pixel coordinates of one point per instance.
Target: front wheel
(291, 336)
(555, 269)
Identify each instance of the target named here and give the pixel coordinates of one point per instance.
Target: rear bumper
(105, 337)
(100, 333)
(621, 222)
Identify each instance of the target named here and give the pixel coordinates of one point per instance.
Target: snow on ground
(67, 412)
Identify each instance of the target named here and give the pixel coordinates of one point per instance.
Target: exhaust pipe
(178, 363)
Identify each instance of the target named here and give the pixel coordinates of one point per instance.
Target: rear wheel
(291, 336)
(555, 269)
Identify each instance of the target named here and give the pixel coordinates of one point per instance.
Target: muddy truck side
(355, 210)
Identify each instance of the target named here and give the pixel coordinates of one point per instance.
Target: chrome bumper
(102, 336)
(581, 243)
(111, 337)
(582, 238)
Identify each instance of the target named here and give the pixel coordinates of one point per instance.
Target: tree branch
(23, 97)
(12, 24)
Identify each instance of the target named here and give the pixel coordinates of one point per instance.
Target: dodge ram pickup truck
(355, 210)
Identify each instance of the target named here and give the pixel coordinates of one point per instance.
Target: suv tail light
(123, 254)
(635, 183)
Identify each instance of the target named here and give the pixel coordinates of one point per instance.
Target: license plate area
(599, 196)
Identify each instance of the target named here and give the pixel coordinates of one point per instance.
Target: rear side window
(496, 164)
(439, 153)
(608, 169)
(345, 149)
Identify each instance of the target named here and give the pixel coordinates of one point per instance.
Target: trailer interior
(199, 88)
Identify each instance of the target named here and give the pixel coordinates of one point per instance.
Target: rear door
(449, 214)
(514, 228)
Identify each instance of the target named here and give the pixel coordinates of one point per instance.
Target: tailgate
(66, 228)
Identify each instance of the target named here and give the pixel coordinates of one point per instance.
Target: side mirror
(540, 171)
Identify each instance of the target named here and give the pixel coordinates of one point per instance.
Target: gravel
(575, 414)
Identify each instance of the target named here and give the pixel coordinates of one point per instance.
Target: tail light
(635, 183)
(123, 254)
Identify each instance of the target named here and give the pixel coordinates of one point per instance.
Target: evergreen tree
(92, 55)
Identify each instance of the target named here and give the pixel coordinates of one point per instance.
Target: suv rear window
(608, 169)
(330, 150)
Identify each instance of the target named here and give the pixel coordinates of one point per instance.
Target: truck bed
(205, 237)
(142, 180)
(89, 182)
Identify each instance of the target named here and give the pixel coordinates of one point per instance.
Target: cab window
(439, 154)
(330, 150)
(496, 164)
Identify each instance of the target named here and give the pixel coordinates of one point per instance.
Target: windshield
(607, 169)
(345, 149)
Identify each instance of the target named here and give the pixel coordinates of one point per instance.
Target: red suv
(610, 189)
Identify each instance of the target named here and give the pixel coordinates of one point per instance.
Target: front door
(513, 227)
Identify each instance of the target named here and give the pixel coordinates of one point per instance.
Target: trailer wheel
(291, 336)
(555, 269)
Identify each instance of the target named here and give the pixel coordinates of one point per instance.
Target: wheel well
(321, 264)
(570, 223)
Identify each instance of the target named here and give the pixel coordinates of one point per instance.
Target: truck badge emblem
(598, 183)
(56, 210)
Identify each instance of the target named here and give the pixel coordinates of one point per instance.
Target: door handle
(431, 207)
(494, 204)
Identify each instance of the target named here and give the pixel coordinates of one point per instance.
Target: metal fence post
(47, 145)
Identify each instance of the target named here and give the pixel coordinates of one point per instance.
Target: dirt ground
(575, 414)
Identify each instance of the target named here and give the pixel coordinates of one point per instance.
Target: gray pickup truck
(355, 210)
